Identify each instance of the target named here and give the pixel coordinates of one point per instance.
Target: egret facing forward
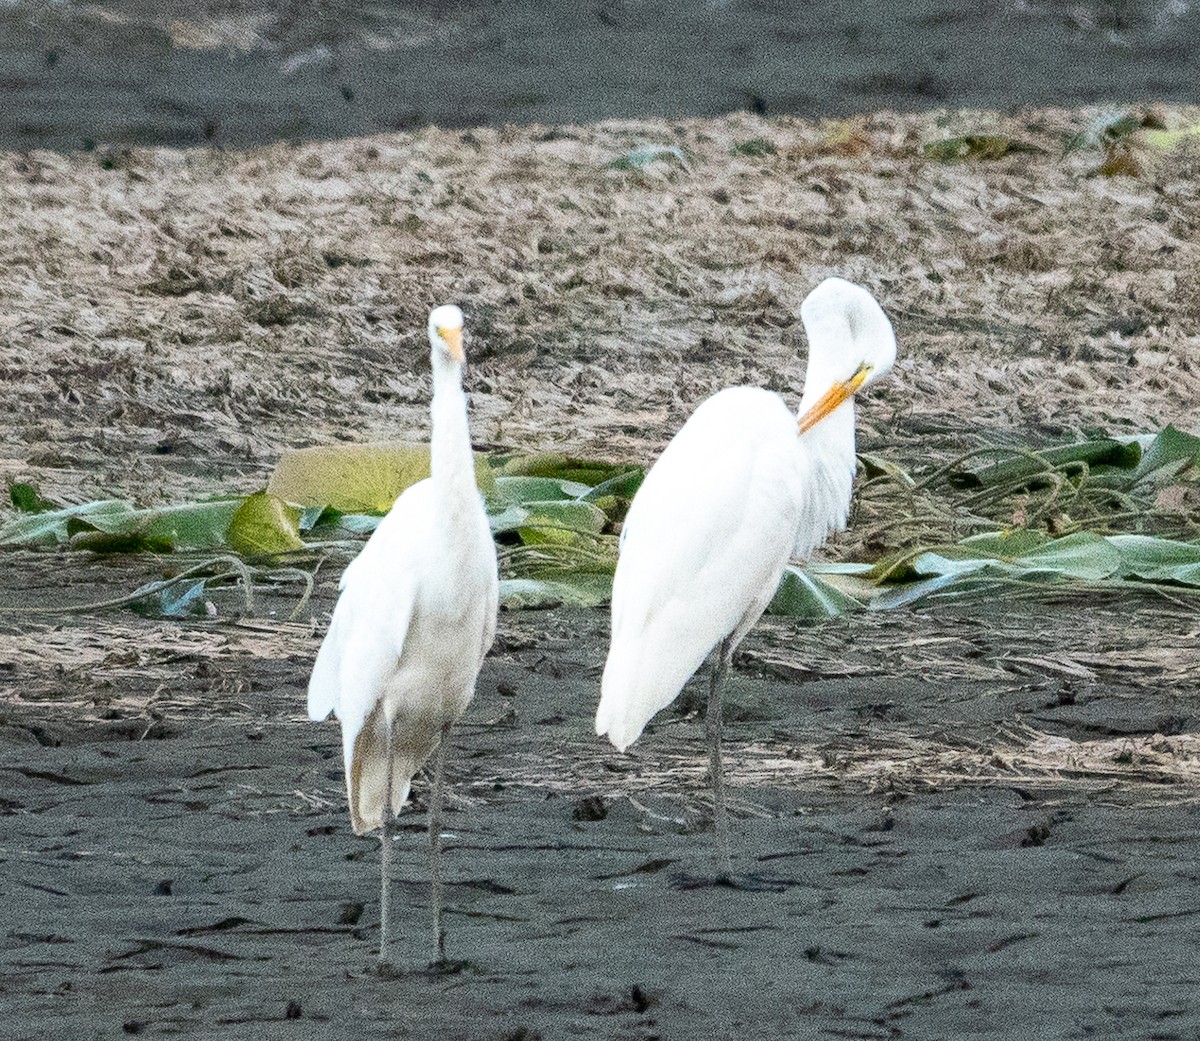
(743, 487)
(416, 615)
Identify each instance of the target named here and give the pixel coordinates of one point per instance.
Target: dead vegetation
(170, 320)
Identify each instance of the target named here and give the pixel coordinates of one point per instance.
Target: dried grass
(170, 320)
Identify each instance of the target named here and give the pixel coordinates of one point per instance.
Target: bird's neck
(834, 435)
(452, 463)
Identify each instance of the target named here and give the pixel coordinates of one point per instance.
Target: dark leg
(385, 854)
(716, 768)
(435, 843)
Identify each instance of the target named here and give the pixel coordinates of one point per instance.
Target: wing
(371, 617)
(705, 543)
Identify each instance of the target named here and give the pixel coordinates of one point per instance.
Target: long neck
(830, 341)
(452, 463)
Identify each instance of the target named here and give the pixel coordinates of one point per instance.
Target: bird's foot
(746, 883)
(446, 967)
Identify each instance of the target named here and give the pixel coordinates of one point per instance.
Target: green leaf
(1107, 128)
(642, 156)
(50, 528)
(1168, 140)
(112, 526)
(1105, 452)
(114, 542)
(1158, 560)
(906, 593)
(264, 525)
(622, 486)
(520, 489)
(520, 593)
(365, 478)
(1170, 448)
(805, 596)
(561, 523)
(1084, 555)
(876, 466)
(26, 499)
(755, 148)
(1004, 544)
(975, 146)
(590, 472)
(200, 525)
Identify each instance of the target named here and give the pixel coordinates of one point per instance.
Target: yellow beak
(453, 338)
(837, 394)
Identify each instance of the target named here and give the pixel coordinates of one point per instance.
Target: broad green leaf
(644, 155)
(25, 498)
(561, 523)
(975, 146)
(264, 525)
(201, 525)
(1083, 555)
(574, 591)
(364, 478)
(565, 467)
(47, 529)
(1105, 129)
(1169, 448)
(802, 595)
(1105, 452)
(1158, 560)
(903, 594)
(313, 516)
(110, 526)
(1005, 544)
(521, 490)
(877, 466)
(116, 542)
(509, 519)
(333, 525)
(755, 148)
(1168, 140)
(615, 495)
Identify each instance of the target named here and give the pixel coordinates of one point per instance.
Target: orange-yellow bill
(832, 398)
(453, 338)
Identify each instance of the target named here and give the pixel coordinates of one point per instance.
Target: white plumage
(743, 487)
(416, 615)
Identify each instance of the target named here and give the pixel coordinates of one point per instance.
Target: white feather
(416, 614)
(736, 493)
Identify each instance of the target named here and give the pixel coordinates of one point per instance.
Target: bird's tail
(637, 685)
(613, 716)
(325, 682)
(366, 774)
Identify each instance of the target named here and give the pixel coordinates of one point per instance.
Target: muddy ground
(969, 821)
(89, 73)
(956, 828)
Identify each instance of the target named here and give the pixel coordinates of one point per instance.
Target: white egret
(416, 615)
(743, 487)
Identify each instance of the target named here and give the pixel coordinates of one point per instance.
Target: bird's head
(851, 345)
(446, 335)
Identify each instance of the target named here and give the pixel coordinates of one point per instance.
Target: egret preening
(416, 615)
(743, 487)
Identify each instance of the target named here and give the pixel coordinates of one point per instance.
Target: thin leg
(716, 768)
(385, 854)
(435, 843)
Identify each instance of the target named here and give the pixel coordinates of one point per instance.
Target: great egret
(416, 615)
(742, 488)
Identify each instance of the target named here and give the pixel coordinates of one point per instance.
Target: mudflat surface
(970, 821)
(232, 73)
(949, 826)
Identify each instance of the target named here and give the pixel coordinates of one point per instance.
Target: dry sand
(970, 822)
